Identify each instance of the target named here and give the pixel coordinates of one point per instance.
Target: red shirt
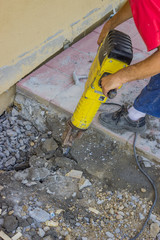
(146, 15)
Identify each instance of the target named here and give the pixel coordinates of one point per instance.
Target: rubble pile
(69, 197)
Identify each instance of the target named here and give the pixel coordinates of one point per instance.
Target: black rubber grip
(112, 93)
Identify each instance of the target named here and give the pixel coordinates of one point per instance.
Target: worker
(146, 15)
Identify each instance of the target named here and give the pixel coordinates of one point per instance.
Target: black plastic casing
(117, 45)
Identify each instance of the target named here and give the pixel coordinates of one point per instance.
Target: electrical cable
(148, 178)
(153, 186)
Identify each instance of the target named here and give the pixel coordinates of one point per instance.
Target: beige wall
(33, 30)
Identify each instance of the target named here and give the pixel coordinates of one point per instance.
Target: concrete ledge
(7, 98)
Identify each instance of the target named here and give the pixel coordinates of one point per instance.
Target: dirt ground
(107, 197)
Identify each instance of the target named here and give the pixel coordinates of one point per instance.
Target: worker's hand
(104, 32)
(110, 82)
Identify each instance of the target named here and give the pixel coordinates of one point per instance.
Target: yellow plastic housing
(92, 97)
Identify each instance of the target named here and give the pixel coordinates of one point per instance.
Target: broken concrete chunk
(10, 223)
(154, 229)
(36, 161)
(75, 174)
(64, 162)
(21, 175)
(84, 183)
(37, 174)
(17, 236)
(4, 236)
(39, 215)
(49, 145)
(61, 186)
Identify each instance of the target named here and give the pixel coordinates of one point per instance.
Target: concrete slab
(53, 82)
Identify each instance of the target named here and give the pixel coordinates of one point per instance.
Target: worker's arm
(121, 16)
(146, 68)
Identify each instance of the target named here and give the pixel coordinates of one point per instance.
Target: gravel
(15, 141)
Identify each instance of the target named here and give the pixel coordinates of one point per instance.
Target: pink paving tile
(71, 60)
(139, 55)
(127, 27)
(87, 44)
(138, 43)
(45, 82)
(99, 29)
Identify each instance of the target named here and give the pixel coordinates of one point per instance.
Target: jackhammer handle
(112, 93)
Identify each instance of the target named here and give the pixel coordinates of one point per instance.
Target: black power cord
(148, 178)
(152, 184)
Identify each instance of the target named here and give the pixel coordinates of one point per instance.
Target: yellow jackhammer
(113, 54)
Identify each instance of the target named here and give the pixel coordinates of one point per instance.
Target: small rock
(154, 229)
(32, 144)
(100, 201)
(68, 237)
(10, 162)
(153, 217)
(21, 175)
(14, 112)
(141, 216)
(158, 236)
(74, 174)
(10, 223)
(94, 210)
(84, 183)
(48, 238)
(51, 223)
(11, 133)
(64, 162)
(109, 234)
(111, 211)
(119, 217)
(117, 230)
(36, 174)
(39, 215)
(17, 236)
(11, 212)
(41, 232)
(58, 211)
(49, 145)
(143, 190)
(121, 208)
(46, 228)
(121, 213)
